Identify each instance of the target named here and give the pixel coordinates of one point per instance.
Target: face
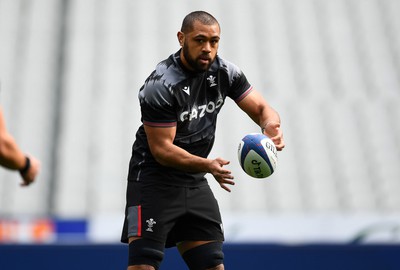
(200, 46)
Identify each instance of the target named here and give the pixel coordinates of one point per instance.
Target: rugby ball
(257, 155)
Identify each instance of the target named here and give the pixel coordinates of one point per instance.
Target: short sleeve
(157, 106)
(239, 86)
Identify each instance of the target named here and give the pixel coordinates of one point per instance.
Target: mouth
(204, 59)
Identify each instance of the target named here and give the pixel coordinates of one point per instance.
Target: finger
(280, 148)
(226, 174)
(229, 182)
(225, 187)
(27, 180)
(278, 141)
(279, 144)
(25, 183)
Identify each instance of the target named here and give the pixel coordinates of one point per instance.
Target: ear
(181, 38)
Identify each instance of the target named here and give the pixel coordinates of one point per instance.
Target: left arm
(265, 116)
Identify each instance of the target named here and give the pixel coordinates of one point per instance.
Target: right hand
(223, 176)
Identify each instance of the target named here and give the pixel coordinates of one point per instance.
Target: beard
(195, 63)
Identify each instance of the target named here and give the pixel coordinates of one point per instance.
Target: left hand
(274, 132)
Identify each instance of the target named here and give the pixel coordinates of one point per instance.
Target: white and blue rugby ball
(257, 155)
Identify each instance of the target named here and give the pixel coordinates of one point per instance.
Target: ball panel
(271, 152)
(257, 155)
(256, 166)
(241, 153)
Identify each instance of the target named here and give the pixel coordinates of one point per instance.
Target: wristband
(27, 166)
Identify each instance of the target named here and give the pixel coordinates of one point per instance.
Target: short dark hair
(201, 16)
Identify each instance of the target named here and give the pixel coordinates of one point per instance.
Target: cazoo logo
(200, 111)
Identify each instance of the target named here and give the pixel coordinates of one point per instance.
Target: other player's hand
(30, 176)
(223, 176)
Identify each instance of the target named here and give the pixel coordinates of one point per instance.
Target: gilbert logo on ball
(257, 155)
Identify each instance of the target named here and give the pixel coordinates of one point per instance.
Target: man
(169, 202)
(11, 157)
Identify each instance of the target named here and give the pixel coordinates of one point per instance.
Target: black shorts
(171, 214)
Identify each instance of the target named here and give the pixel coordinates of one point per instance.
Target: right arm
(11, 157)
(160, 140)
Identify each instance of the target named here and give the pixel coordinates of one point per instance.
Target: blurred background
(70, 72)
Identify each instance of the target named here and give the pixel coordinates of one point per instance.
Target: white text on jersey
(201, 110)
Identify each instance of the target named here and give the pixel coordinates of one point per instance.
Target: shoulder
(227, 65)
(158, 86)
(168, 72)
(232, 70)
(234, 76)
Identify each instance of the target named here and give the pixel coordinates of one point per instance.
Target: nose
(207, 47)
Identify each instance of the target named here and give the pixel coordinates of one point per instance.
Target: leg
(202, 255)
(142, 266)
(144, 254)
(145, 219)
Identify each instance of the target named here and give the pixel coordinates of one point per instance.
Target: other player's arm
(265, 116)
(160, 140)
(11, 157)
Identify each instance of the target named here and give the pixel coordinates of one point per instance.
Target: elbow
(160, 160)
(160, 155)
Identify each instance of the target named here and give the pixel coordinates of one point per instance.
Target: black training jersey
(173, 96)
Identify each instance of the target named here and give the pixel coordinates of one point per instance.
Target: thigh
(201, 203)
(151, 210)
(202, 221)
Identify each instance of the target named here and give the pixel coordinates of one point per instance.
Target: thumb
(222, 161)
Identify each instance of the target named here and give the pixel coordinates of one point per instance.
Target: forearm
(268, 116)
(259, 110)
(11, 156)
(176, 157)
